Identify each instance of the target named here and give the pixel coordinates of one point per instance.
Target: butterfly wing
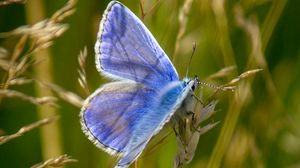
(125, 49)
(110, 114)
(121, 117)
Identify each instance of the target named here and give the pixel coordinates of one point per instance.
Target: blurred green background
(259, 124)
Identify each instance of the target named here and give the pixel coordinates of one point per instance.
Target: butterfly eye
(193, 87)
(196, 82)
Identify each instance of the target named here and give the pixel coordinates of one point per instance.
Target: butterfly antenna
(190, 60)
(227, 88)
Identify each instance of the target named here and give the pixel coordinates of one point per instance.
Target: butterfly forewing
(125, 49)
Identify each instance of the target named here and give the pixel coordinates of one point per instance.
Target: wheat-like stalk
(224, 72)
(188, 130)
(42, 35)
(182, 20)
(27, 128)
(145, 13)
(55, 162)
(81, 71)
(9, 2)
(34, 38)
(67, 96)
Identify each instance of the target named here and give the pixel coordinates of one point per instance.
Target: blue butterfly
(122, 116)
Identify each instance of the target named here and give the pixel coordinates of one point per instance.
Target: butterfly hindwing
(125, 49)
(109, 115)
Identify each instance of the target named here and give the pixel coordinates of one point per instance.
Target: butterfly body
(122, 116)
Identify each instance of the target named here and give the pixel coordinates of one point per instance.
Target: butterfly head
(192, 84)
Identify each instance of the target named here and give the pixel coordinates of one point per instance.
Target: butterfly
(122, 116)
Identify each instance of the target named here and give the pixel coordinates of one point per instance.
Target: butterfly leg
(197, 98)
(194, 120)
(176, 130)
